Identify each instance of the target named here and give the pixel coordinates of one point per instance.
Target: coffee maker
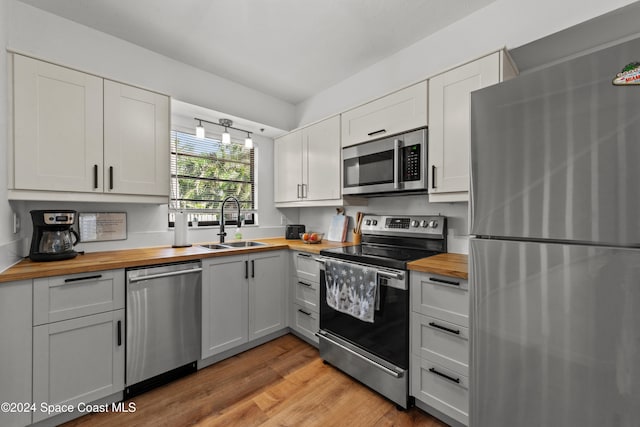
(53, 235)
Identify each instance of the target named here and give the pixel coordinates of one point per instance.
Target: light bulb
(248, 142)
(200, 131)
(226, 137)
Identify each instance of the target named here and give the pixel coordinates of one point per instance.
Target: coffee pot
(53, 235)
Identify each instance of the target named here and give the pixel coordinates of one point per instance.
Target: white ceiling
(290, 49)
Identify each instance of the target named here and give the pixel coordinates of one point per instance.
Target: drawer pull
(78, 279)
(444, 328)
(304, 255)
(305, 284)
(446, 282)
(377, 132)
(304, 312)
(445, 376)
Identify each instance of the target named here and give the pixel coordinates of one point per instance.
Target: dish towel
(351, 289)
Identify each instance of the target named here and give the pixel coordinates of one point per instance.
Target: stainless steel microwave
(391, 165)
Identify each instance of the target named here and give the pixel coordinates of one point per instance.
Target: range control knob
(374, 222)
(367, 222)
(415, 223)
(433, 223)
(424, 223)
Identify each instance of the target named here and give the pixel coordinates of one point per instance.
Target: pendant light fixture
(199, 130)
(226, 136)
(248, 142)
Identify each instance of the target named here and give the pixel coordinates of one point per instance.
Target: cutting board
(338, 228)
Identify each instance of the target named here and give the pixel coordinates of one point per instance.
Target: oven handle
(396, 159)
(366, 359)
(390, 275)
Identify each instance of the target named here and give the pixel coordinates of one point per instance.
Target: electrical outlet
(16, 223)
(283, 220)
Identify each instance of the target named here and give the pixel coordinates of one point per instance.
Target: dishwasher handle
(161, 275)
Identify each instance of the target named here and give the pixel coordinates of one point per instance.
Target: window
(204, 172)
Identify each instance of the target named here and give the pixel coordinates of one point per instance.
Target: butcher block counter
(108, 260)
(453, 265)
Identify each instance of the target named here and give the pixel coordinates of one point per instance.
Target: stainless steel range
(364, 300)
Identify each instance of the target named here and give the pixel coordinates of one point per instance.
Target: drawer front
(444, 390)
(66, 297)
(441, 297)
(307, 268)
(443, 342)
(305, 322)
(306, 293)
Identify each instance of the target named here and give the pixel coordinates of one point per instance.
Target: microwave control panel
(411, 167)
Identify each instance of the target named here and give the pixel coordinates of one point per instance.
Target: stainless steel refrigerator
(555, 247)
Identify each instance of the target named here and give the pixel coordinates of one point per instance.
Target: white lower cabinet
(440, 348)
(243, 298)
(15, 355)
(78, 360)
(78, 339)
(305, 295)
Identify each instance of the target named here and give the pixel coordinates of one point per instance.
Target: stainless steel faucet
(222, 233)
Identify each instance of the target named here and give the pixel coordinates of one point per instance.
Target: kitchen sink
(243, 244)
(214, 246)
(232, 245)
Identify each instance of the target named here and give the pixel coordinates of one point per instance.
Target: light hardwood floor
(281, 383)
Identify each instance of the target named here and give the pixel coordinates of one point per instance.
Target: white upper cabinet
(321, 164)
(288, 167)
(308, 167)
(78, 137)
(57, 127)
(397, 112)
(450, 123)
(136, 129)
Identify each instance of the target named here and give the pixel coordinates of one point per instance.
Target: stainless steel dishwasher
(162, 324)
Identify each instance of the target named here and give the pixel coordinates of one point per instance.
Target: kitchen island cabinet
(79, 137)
(15, 357)
(243, 299)
(450, 123)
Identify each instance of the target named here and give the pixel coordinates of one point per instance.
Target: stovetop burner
(393, 241)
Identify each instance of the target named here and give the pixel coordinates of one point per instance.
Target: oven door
(388, 336)
(386, 165)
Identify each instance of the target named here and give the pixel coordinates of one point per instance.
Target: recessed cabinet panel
(288, 167)
(306, 322)
(136, 155)
(307, 267)
(397, 112)
(443, 389)
(450, 124)
(321, 165)
(65, 297)
(225, 304)
(57, 127)
(78, 360)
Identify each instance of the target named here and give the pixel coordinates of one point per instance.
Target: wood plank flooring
(281, 383)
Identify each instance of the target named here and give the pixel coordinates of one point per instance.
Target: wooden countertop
(109, 260)
(454, 265)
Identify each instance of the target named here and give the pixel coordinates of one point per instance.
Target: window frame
(194, 213)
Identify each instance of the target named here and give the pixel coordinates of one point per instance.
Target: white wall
(34, 32)
(503, 23)
(47, 36)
